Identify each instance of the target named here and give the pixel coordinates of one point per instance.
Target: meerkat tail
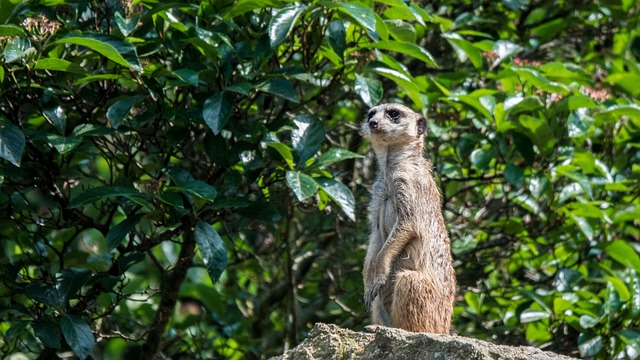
(413, 314)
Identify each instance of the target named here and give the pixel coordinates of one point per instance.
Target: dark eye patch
(370, 114)
(394, 115)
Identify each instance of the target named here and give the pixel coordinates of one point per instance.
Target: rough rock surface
(332, 342)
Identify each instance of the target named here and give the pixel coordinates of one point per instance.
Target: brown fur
(408, 272)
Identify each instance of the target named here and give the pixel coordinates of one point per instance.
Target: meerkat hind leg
(380, 315)
(417, 305)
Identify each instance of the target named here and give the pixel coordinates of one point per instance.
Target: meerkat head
(394, 124)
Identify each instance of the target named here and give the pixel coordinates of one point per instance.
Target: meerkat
(409, 279)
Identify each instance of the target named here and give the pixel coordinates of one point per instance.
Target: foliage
(184, 178)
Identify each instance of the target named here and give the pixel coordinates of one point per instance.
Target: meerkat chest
(386, 204)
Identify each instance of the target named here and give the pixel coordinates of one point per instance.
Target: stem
(292, 338)
(170, 293)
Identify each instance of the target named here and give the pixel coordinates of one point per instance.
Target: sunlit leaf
(112, 48)
(12, 142)
(339, 193)
(370, 90)
(283, 22)
(302, 185)
(306, 138)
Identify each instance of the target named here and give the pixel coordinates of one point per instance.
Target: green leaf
(46, 294)
(401, 30)
(303, 185)
(588, 321)
(481, 158)
(283, 22)
(339, 193)
(17, 49)
(217, 111)
(370, 90)
(589, 344)
(12, 142)
(48, 332)
(464, 49)
(78, 335)
(64, 144)
(69, 281)
(625, 254)
(306, 138)
(634, 286)
(242, 6)
(284, 151)
(334, 155)
(59, 65)
(127, 26)
(212, 249)
(363, 15)
(410, 49)
(336, 35)
(530, 315)
(404, 82)
(613, 113)
(102, 192)
(120, 109)
(112, 48)
(118, 232)
(514, 175)
(279, 87)
(11, 30)
(185, 182)
(539, 131)
(625, 81)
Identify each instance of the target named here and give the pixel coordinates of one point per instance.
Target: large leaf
(625, 254)
(56, 64)
(17, 49)
(370, 90)
(102, 192)
(69, 281)
(279, 87)
(48, 332)
(112, 48)
(332, 156)
(464, 49)
(212, 249)
(12, 142)
(303, 185)
(410, 49)
(78, 335)
(217, 112)
(336, 35)
(363, 15)
(306, 138)
(339, 193)
(120, 109)
(11, 30)
(283, 22)
(185, 182)
(118, 232)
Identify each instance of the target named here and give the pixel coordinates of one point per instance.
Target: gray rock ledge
(332, 342)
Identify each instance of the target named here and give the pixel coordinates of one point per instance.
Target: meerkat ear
(422, 125)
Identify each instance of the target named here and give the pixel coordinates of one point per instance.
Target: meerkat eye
(370, 114)
(394, 115)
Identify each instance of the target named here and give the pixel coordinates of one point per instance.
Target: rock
(332, 342)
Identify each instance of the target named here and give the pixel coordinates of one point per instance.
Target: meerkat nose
(373, 124)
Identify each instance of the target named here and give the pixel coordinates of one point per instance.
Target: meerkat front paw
(372, 292)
